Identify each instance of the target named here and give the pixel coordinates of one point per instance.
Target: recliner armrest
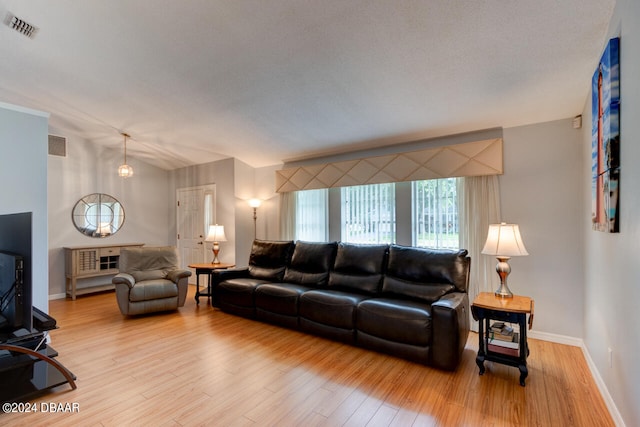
(450, 320)
(176, 275)
(125, 279)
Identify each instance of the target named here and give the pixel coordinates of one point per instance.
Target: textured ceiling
(194, 81)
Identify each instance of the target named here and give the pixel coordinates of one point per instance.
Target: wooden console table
(207, 269)
(82, 262)
(486, 307)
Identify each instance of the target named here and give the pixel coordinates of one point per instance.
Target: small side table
(207, 268)
(487, 307)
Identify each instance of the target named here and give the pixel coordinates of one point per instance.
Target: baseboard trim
(604, 391)
(558, 339)
(64, 295)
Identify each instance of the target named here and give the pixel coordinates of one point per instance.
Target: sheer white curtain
(479, 204)
(312, 213)
(288, 215)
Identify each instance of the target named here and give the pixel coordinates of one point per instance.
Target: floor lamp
(255, 204)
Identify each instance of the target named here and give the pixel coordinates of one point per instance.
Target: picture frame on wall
(605, 152)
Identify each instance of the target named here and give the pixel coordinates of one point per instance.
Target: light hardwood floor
(199, 366)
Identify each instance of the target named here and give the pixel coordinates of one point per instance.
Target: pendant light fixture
(125, 171)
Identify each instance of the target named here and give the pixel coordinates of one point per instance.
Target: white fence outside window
(368, 213)
(435, 213)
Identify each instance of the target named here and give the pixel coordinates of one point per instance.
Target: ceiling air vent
(20, 25)
(57, 146)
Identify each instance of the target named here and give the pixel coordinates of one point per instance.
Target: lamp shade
(216, 234)
(125, 171)
(255, 203)
(505, 240)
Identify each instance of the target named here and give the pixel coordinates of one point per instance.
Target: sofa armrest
(450, 316)
(176, 275)
(124, 279)
(219, 276)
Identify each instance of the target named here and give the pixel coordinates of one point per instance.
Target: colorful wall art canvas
(605, 153)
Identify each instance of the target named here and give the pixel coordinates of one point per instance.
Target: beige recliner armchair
(150, 280)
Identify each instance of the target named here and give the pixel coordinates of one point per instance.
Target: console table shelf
(82, 262)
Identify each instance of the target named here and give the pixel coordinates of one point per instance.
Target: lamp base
(503, 292)
(503, 268)
(216, 250)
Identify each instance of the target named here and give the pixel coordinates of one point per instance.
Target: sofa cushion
(331, 308)
(310, 263)
(140, 276)
(281, 298)
(148, 263)
(153, 289)
(425, 274)
(403, 321)
(238, 292)
(358, 267)
(268, 259)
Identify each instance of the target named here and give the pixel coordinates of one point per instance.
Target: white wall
(244, 184)
(89, 168)
(23, 172)
(541, 191)
(268, 223)
(612, 276)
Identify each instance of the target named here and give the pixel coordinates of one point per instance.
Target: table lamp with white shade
(216, 235)
(504, 241)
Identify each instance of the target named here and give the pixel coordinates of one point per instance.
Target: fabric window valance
(476, 158)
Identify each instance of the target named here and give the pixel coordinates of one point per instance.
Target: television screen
(15, 241)
(11, 291)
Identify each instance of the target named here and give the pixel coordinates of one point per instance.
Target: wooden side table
(487, 307)
(207, 268)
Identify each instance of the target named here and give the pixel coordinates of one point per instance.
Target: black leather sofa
(406, 301)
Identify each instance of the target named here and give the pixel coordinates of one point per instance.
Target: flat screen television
(15, 255)
(11, 292)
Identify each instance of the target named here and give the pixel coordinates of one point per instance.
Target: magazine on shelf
(514, 343)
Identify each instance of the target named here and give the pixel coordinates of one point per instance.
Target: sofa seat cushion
(153, 289)
(281, 298)
(331, 308)
(238, 292)
(403, 321)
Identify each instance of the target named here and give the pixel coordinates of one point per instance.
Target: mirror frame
(98, 215)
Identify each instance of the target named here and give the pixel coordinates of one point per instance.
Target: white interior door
(195, 206)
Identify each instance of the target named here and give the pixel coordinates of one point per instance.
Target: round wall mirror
(98, 215)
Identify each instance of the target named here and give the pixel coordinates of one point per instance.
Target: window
(368, 213)
(435, 213)
(209, 210)
(311, 215)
